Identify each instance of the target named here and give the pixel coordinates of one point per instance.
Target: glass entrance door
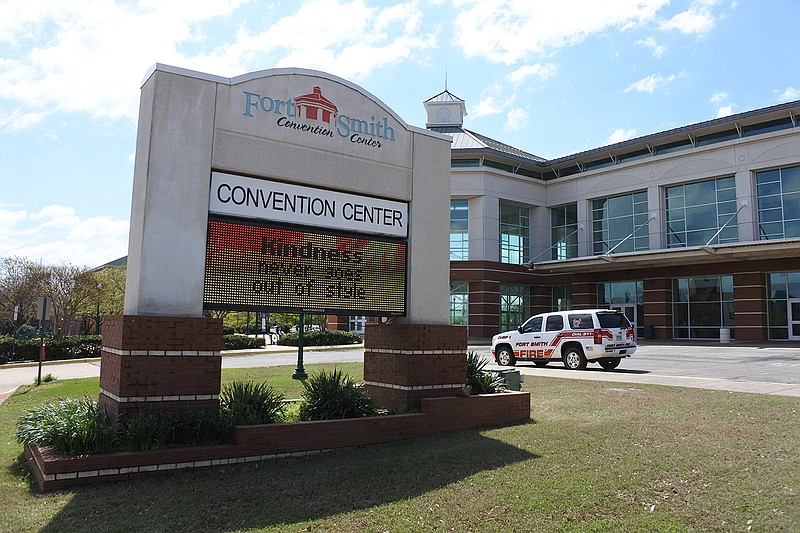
(630, 313)
(794, 319)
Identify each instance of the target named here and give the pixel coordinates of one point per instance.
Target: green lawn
(597, 456)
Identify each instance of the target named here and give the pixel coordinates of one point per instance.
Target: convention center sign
(288, 247)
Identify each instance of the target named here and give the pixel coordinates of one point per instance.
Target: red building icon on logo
(314, 106)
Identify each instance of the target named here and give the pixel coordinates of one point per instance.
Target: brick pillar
(750, 306)
(160, 363)
(584, 295)
(404, 363)
(484, 308)
(658, 306)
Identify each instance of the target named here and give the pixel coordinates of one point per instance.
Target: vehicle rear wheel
(540, 364)
(505, 356)
(610, 364)
(574, 358)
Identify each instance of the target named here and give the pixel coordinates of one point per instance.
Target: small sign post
(300, 372)
(44, 310)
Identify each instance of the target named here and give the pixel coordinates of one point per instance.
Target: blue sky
(552, 78)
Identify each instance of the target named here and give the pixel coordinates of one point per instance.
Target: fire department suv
(602, 336)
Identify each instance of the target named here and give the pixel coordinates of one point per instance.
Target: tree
(71, 289)
(21, 284)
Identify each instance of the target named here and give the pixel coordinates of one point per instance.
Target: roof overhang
(695, 255)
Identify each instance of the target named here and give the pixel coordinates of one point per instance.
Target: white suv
(602, 336)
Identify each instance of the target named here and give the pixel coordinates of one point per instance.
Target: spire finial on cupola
(445, 109)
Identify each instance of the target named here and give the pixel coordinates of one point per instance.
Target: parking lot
(769, 368)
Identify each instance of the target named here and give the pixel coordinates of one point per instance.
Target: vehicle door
(530, 335)
(551, 337)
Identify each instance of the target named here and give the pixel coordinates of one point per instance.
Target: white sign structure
(286, 203)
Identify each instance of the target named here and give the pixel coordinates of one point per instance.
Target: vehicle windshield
(613, 320)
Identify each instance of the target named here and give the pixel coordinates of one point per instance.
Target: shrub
(155, 430)
(247, 403)
(334, 395)
(241, 342)
(326, 337)
(482, 381)
(74, 347)
(72, 426)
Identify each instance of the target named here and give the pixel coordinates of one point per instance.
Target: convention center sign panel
(285, 247)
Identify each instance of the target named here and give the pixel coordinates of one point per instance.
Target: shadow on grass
(285, 491)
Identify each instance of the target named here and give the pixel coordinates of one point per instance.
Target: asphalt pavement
(767, 368)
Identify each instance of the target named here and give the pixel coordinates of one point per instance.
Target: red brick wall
(160, 363)
(256, 443)
(404, 363)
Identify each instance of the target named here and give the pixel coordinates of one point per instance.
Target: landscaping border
(271, 441)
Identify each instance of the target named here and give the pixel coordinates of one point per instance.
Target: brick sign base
(159, 363)
(404, 363)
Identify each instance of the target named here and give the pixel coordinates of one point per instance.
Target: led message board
(253, 266)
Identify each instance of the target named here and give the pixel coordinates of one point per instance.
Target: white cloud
(485, 107)
(516, 119)
(538, 71)
(698, 19)
(89, 56)
(724, 111)
(650, 83)
(620, 134)
(57, 235)
(507, 31)
(789, 94)
(721, 100)
(650, 42)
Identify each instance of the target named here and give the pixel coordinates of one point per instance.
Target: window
(514, 234)
(701, 306)
(554, 323)
(514, 306)
(615, 218)
(564, 231)
(357, 324)
(783, 305)
(696, 211)
(778, 203)
(459, 303)
(561, 298)
(459, 230)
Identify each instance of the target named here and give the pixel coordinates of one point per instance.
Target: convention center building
(694, 232)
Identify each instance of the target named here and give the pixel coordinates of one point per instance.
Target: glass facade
(701, 306)
(696, 211)
(514, 306)
(459, 303)
(628, 297)
(783, 305)
(615, 218)
(778, 203)
(564, 231)
(515, 231)
(459, 230)
(561, 298)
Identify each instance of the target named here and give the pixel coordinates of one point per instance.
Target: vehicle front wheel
(610, 364)
(505, 356)
(574, 358)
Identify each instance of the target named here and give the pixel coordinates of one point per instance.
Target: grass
(598, 456)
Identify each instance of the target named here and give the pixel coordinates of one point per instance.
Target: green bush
(249, 403)
(326, 337)
(241, 342)
(480, 380)
(73, 426)
(334, 395)
(74, 347)
(78, 426)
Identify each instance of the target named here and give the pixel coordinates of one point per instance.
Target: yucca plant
(73, 426)
(480, 380)
(330, 395)
(248, 403)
